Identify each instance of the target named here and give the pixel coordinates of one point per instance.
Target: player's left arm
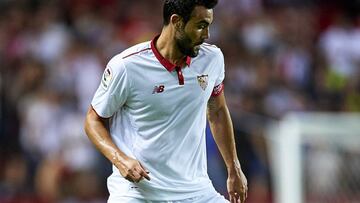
(223, 133)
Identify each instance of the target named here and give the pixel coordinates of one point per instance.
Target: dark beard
(184, 44)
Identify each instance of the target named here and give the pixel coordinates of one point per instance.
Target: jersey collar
(166, 63)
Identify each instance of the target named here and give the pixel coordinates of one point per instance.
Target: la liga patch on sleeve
(106, 78)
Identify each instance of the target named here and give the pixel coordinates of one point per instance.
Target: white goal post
(290, 143)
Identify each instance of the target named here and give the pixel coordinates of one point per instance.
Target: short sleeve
(113, 90)
(220, 65)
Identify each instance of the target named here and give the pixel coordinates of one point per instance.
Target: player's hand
(132, 170)
(237, 185)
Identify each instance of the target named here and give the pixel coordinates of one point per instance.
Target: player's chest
(161, 89)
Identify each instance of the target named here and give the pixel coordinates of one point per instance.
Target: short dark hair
(184, 8)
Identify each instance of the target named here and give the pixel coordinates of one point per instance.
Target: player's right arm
(109, 98)
(96, 130)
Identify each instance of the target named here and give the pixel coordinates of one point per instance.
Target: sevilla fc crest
(203, 81)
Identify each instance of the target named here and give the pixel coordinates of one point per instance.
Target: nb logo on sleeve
(158, 89)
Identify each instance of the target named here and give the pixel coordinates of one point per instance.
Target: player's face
(190, 36)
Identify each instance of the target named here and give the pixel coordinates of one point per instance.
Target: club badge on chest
(203, 81)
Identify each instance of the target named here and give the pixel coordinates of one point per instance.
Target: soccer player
(148, 116)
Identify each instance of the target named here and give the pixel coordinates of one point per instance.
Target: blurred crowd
(280, 55)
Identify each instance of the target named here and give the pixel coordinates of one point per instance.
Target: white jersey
(158, 116)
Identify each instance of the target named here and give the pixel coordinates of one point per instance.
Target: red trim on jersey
(166, 63)
(188, 60)
(180, 75)
(217, 90)
(135, 53)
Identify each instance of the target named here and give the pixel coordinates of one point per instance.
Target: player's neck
(167, 48)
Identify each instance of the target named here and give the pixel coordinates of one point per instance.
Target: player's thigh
(212, 197)
(125, 200)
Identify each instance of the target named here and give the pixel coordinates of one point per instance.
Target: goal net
(315, 158)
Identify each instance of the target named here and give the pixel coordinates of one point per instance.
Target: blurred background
(281, 56)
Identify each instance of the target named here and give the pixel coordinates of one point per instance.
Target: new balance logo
(158, 89)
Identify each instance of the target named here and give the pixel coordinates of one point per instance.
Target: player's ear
(176, 21)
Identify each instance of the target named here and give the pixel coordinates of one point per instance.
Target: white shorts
(211, 197)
